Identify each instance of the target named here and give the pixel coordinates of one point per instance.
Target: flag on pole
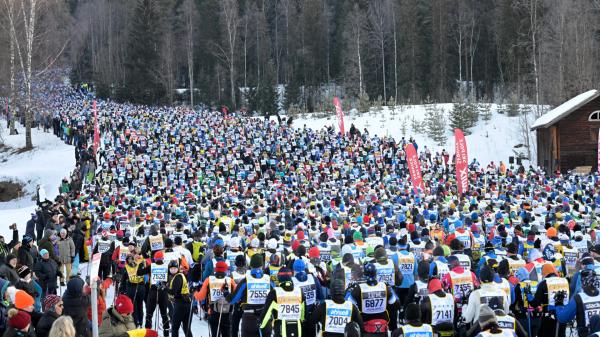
(414, 168)
(339, 113)
(461, 162)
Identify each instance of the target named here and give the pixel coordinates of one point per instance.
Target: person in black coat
(46, 269)
(31, 225)
(76, 303)
(8, 271)
(5, 248)
(78, 237)
(53, 308)
(24, 254)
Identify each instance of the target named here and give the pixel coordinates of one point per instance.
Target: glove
(559, 298)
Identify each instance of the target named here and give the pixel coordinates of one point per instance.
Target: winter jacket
(47, 272)
(66, 250)
(45, 324)
(76, 304)
(25, 257)
(79, 242)
(27, 287)
(11, 332)
(5, 248)
(114, 324)
(9, 273)
(46, 244)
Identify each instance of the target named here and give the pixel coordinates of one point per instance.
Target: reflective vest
(514, 265)
(424, 330)
(184, 288)
(273, 270)
(347, 276)
(156, 242)
(464, 238)
(490, 291)
(257, 289)
(215, 288)
(462, 284)
(464, 261)
(103, 246)
(590, 306)
(442, 269)
(308, 287)
(196, 250)
(386, 272)
(373, 298)
(556, 284)
(421, 289)
(237, 276)
(337, 316)
(289, 304)
(506, 322)
(532, 285)
(442, 309)
(571, 256)
(132, 273)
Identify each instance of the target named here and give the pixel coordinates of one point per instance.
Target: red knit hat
(18, 319)
(434, 285)
(159, 255)
(295, 245)
(314, 253)
(300, 235)
(221, 267)
(123, 305)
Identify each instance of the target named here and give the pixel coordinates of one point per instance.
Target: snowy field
(492, 140)
(47, 164)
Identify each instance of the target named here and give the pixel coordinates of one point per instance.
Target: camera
(13, 227)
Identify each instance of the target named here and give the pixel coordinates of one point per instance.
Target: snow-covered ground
(46, 165)
(492, 140)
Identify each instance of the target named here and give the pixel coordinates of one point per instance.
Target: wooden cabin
(567, 136)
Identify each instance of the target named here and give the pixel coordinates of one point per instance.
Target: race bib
(156, 242)
(337, 316)
(103, 246)
(257, 290)
(373, 298)
(289, 304)
(158, 273)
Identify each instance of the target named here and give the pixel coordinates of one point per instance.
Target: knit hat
(357, 236)
(486, 316)
(23, 300)
(159, 255)
(256, 261)
(548, 269)
(221, 267)
(299, 266)
(24, 271)
(551, 232)
(295, 245)
(50, 301)
(314, 253)
(434, 285)
(43, 252)
(18, 319)
(284, 274)
(123, 305)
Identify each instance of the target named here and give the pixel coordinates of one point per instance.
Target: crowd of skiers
(267, 230)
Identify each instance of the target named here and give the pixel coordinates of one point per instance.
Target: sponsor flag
(461, 162)
(339, 113)
(414, 168)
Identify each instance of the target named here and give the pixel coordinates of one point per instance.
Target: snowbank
(46, 165)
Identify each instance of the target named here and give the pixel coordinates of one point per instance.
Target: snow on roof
(564, 109)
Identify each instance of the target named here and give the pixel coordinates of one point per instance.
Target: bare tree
(190, 10)
(379, 25)
(229, 13)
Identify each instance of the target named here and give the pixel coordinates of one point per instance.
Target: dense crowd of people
(267, 230)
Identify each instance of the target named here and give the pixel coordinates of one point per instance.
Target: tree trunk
(190, 52)
(11, 99)
(395, 56)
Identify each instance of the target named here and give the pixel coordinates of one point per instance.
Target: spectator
(53, 308)
(66, 254)
(8, 271)
(63, 327)
(47, 272)
(19, 323)
(25, 254)
(76, 301)
(118, 319)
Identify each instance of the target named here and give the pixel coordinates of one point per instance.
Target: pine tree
(141, 67)
(485, 111)
(459, 117)
(435, 123)
(512, 108)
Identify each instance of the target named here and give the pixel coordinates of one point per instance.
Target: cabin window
(595, 116)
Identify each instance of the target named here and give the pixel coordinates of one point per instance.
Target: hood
(74, 288)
